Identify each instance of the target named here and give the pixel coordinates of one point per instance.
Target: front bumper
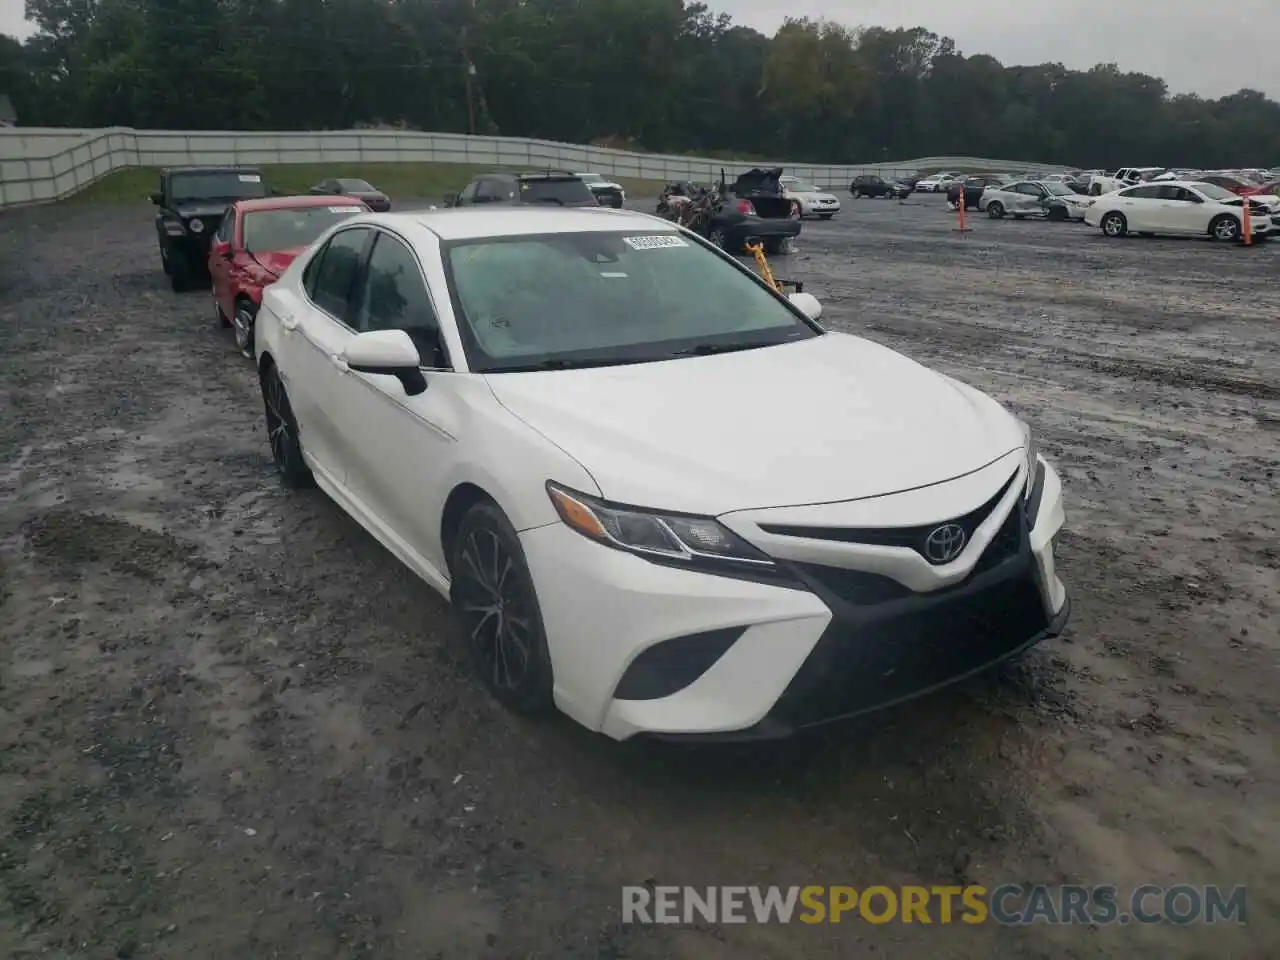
(815, 208)
(639, 648)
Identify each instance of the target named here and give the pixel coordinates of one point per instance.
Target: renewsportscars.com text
(1009, 904)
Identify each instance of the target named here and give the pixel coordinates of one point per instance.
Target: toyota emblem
(945, 543)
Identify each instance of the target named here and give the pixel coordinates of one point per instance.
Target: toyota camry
(595, 434)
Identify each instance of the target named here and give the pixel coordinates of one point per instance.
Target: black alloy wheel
(282, 432)
(494, 596)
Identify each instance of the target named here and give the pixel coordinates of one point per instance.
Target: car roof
(294, 203)
(214, 169)
(469, 223)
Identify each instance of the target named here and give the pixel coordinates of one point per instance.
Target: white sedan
(1034, 198)
(593, 432)
(1180, 207)
(812, 202)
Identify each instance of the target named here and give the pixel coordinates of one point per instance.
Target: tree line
(658, 75)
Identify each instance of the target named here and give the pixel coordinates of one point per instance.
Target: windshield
(357, 186)
(568, 192)
(1058, 190)
(591, 178)
(557, 299)
(1214, 192)
(266, 230)
(216, 185)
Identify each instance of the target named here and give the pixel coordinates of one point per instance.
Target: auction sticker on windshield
(654, 243)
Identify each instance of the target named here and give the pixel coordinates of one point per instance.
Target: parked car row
(1189, 207)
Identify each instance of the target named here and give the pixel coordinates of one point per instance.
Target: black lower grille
(855, 668)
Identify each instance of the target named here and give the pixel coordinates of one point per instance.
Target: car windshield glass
(216, 185)
(266, 230)
(1214, 192)
(546, 190)
(591, 178)
(357, 186)
(553, 300)
(1057, 189)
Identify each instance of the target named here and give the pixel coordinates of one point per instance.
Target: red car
(254, 245)
(1237, 185)
(1270, 187)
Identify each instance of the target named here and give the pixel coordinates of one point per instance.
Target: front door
(402, 446)
(220, 267)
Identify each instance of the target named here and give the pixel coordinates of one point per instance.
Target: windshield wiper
(706, 349)
(564, 364)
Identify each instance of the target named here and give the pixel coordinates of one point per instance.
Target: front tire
(282, 432)
(1225, 227)
(1114, 225)
(494, 596)
(995, 210)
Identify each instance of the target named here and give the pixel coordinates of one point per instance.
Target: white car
(1178, 207)
(1034, 198)
(813, 202)
(1124, 177)
(938, 183)
(593, 432)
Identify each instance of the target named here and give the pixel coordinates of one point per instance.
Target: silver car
(1034, 198)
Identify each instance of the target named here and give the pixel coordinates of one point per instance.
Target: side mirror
(387, 353)
(158, 199)
(807, 303)
(450, 199)
(221, 248)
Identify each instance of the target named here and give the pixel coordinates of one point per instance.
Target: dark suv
(192, 201)
(555, 188)
(869, 185)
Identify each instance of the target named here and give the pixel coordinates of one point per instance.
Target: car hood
(200, 208)
(276, 262)
(822, 420)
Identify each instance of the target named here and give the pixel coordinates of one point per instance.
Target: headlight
(196, 225)
(675, 538)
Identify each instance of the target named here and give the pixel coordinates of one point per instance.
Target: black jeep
(192, 201)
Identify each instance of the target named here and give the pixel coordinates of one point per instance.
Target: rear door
(1141, 207)
(312, 342)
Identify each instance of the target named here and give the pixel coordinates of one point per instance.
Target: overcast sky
(1197, 47)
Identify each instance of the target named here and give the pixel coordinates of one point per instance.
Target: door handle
(290, 323)
(339, 362)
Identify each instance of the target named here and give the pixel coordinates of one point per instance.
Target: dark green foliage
(661, 75)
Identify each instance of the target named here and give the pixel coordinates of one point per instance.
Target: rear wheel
(246, 312)
(718, 238)
(282, 432)
(493, 593)
(995, 210)
(182, 272)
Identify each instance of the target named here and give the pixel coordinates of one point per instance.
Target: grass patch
(423, 181)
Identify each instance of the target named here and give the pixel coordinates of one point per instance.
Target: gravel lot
(231, 726)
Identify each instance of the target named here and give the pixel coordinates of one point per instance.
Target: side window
(394, 297)
(1150, 192)
(468, 193)
(487, 190)
(1173, 193)
(335, 272)
(1028, 189)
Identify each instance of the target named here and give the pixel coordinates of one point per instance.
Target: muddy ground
(232, 726)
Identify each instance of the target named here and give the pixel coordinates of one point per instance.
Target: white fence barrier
(38, 165)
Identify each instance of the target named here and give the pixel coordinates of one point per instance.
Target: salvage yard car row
(513, 400)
